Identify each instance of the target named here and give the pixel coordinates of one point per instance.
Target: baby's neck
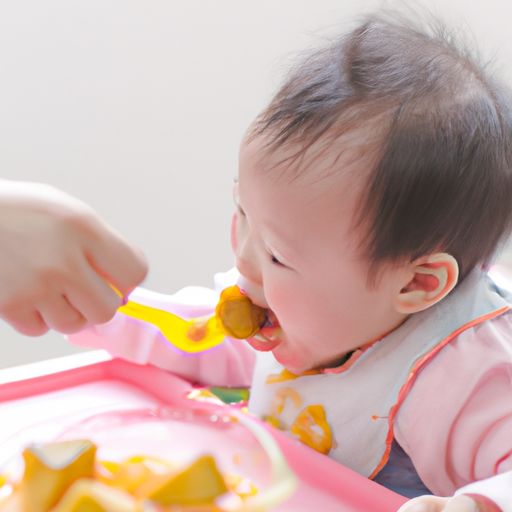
(339, 361)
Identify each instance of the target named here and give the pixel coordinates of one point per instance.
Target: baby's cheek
(299, 314)
(281, 302)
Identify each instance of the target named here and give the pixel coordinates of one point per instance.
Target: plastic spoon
(235, 316)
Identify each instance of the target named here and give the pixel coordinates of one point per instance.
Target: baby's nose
(247, 264)
(253, 291)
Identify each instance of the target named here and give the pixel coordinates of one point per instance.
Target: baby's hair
(442, 176)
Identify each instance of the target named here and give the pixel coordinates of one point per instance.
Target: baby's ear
(433, 278)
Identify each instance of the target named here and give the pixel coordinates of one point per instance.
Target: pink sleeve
(229, 364)
(456, 422)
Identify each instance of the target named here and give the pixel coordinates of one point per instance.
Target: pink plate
(129, 409)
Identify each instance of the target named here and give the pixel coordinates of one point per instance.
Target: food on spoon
(239, 317)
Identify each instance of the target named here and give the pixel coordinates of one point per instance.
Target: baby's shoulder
(468, 356)
(475, 364)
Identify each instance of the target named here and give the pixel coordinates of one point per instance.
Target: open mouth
(269, 336)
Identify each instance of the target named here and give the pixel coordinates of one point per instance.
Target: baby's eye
(275, 261)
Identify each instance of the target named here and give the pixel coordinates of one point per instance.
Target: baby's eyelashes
(275, 261)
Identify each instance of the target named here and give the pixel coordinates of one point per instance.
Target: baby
(371, 193)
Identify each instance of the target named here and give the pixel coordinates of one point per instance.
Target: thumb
(116, 260)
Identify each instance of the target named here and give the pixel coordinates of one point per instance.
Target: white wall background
(138, 107)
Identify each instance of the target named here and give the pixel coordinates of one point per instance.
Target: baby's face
(297, 252)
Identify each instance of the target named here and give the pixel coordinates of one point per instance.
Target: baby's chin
(294, 357)
(298, 360)
(291, 358)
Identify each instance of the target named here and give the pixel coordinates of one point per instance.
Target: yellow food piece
(11, 503)
(50, 469)
(283, 395)
(132, 473)
(275, 422)
(312, 429)
(285, 375)
(92, 496)
(64, 477)
(131, 466)
(204, 395)
(242, 486)
(129, 477)
(111, 466)
(198, 330)
(199, 484)
(240, 318)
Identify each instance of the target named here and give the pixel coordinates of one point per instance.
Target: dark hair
(442, 178)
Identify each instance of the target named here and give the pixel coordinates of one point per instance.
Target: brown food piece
(240, 318)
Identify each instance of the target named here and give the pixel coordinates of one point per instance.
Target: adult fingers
(92, 296)
(59, 314)
(27, 321)
(120, 263)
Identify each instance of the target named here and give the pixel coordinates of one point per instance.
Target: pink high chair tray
(40, 402)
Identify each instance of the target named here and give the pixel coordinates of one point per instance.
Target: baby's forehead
(345, 159)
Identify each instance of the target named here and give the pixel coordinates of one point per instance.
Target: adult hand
(57, 259)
